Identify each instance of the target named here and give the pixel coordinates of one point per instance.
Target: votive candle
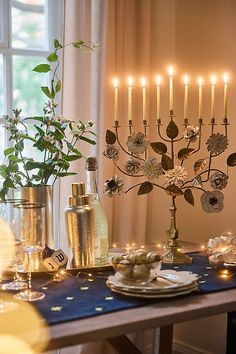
(225, 94)
(143, 83)
(130, 89)
(186, 81)
(171, 88)
(213, 85)
(158, 82)
(116, 100)
(200, 83)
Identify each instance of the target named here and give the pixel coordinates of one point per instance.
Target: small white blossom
(177, 175)
(212, 202)
(137, 143)
(132, 166)
(49, 138)
(113, 186)
(152, 168)
(111, 152)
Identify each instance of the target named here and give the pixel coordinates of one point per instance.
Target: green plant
(53, 137)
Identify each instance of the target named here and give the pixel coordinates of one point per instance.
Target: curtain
(126, 31)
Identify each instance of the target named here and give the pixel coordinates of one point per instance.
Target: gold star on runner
(56, 308)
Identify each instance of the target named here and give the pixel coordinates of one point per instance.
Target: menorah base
(174, 256)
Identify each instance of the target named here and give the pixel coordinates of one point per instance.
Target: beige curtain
(129, 46)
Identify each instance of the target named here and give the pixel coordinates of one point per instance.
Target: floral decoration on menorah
(162, 165)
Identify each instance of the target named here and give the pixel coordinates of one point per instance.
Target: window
(27, 30)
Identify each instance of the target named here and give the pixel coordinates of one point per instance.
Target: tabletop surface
(155, 315)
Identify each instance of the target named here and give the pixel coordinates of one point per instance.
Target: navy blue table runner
(77, 297)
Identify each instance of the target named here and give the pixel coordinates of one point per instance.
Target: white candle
(225, 94)
(143, 83)
(200, 82)
(213, 83)
(158, 82)
(186, 96)
(171, 95)
(130, 88)
(115, 100)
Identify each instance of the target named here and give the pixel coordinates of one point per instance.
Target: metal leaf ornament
(188, 196)
(184, 153)
(172, 130)
(173, 190)
(110, 137)
(231, 160)
(197, 182)
(146, 187)
(159, 147)
(167, 163)
(199, 166)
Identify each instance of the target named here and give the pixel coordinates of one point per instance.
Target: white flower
(152, 168)
(111, 152)
(191, 132)
(137, 143)
(60, 119)
(218, 180)
(113, 186)
(132, 166)
(49, 138)
(176, 176)
(76, 128)
(52, 104)
(212, 202)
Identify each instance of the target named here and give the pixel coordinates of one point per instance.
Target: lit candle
(171, 95)
(158, 82)
(200, 81)
(186, 97)
(143, 83)
(116, 100)
(213, 83)
(130, 88)
(225, 94)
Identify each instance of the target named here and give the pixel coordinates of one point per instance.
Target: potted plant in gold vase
(51, 137)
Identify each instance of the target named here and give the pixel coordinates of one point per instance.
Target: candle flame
(213, 79)
(171, 70)
(186, 79)
(158, 80)
(143, 82)
(225, 78)
(115, 82)
(130, 81)
(200, 81)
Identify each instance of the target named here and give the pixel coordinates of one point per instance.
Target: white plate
(174, 280)
(155, 296)
(152, 291)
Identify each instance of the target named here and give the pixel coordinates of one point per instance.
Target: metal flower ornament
(162, 167)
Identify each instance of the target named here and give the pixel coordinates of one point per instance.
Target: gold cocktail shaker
(80, 227)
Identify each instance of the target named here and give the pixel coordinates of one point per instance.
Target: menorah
(171, 166)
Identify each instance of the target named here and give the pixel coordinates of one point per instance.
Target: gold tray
(72, 271)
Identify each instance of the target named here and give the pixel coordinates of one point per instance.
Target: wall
(205, 42)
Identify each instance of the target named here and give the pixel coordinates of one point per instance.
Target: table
(164, 314)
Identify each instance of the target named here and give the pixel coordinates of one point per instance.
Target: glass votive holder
(30, 221)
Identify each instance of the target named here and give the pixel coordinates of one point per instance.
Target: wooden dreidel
(60, 258)
(50, 264)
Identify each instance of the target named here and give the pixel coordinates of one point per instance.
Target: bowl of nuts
(138, 265)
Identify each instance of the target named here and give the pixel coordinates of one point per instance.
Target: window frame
(54, 29)
(54, 10)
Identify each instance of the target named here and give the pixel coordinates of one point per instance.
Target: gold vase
(44, 195)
